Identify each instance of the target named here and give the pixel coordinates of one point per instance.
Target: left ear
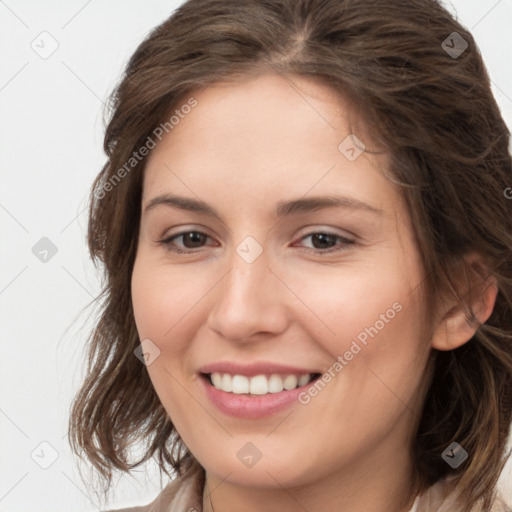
(453, 328)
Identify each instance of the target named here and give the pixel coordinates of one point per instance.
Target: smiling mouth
(258, 384)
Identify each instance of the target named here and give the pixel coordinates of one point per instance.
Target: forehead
(265, 136)
(268, 104)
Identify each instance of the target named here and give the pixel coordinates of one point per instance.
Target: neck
(378, 484)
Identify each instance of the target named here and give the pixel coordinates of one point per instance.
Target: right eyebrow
(183, 203)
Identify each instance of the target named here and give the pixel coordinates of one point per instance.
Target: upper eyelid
(184, 232)
(311, 231)
(345, 238)
(318, 227)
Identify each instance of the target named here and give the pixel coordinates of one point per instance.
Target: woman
(308, 260)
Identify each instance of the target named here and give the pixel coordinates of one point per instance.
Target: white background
(51, 149)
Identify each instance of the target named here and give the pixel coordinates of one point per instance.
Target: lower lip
(251, 406)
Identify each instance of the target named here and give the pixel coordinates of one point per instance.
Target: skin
(243, 148)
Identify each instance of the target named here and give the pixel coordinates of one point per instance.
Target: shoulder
(185, 494)
(441, 497)
(499, 505)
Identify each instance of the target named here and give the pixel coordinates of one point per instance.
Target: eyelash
(345, 241)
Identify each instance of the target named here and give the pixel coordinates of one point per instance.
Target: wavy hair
(434, 114)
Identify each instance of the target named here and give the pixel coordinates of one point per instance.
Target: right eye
(190, 239)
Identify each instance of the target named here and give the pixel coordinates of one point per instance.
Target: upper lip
(250, 370)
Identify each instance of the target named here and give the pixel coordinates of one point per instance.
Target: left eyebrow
(283, 208)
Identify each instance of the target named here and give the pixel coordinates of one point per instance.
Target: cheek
(163, 304)
(163, 297)
(369, 306)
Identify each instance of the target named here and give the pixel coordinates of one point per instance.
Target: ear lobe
(454, 329)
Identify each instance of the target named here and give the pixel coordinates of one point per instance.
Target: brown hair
(435, 115)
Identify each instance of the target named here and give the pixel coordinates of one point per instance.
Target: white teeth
(275, 384)
(304, 379)
(240, 384)
(217, 380)
(258, 385)
(290, 382)
(226, 382)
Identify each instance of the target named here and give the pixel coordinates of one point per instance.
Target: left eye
(322, 238)
(322, 242)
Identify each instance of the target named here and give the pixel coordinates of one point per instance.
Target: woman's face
(277, 283)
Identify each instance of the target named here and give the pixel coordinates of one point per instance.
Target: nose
(250, 301)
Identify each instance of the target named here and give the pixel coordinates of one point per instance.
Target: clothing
(185, 495)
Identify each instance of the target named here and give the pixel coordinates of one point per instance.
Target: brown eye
(190, 240)
(324, 242)
(193, 239)
(320, 240)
